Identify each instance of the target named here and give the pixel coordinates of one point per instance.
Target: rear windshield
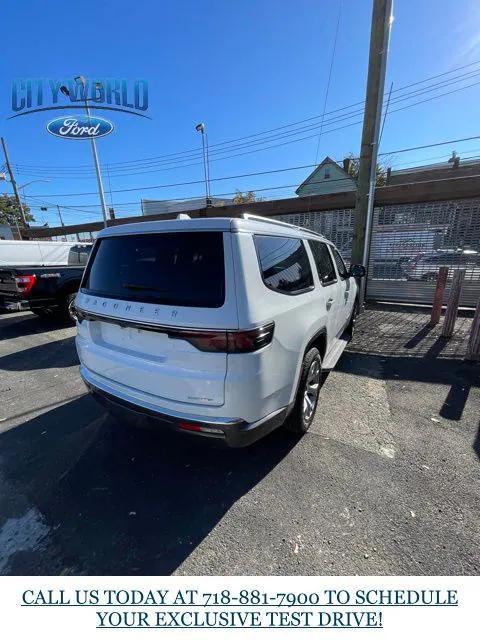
(184, 269)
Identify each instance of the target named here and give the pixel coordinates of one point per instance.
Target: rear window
(284, 264)
(183, 269)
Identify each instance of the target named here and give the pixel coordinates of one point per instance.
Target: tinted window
(323, 261)
(341, 268)
(284, 264)
(184, 269)
(78, 254)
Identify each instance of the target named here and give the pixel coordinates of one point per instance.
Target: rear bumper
(13, 303)
(229, 432)
(10, 304)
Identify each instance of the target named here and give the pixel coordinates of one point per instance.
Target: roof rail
(252, 216)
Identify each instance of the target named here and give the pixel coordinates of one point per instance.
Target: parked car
(217, 327)
(47, 291)
(425, 266)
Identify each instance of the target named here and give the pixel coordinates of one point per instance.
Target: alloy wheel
(312, 387)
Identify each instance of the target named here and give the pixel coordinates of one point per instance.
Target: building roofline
(326, 160)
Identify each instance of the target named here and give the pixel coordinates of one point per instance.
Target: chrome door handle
(329, 303)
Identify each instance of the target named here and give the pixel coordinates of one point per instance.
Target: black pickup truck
(49, 292)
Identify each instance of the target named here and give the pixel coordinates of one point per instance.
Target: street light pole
(206, 169)
(101, 193)
(81, 80)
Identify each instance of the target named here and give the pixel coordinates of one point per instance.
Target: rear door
(141, 293)
(329, 301)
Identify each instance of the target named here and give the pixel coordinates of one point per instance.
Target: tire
(46, 313)
(353, 321)
(303, 412)
(64, 312)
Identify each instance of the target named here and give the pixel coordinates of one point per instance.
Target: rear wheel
(65, 312)
(303, 412)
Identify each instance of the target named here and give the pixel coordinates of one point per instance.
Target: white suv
(218, 327)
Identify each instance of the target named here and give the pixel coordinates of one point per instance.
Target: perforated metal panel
(409, 243)
(336, 225)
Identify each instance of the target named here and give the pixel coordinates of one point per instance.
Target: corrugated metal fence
(409, 243)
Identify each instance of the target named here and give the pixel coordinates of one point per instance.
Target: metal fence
(409, 243)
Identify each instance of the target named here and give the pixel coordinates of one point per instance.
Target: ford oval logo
(79, 127)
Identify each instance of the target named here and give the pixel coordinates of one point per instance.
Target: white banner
(209, 607)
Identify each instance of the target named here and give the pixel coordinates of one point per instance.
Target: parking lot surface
(386, 482)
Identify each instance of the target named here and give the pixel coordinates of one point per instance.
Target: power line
(245, 175)
(281, 136)
(329, 79)
(196, 151)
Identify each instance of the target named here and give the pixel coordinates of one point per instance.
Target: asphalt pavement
(386, 482)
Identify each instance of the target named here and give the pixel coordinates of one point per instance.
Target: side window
(341, 268)
(323, 261)
(284, 264)
(83, 254)
(73, 256)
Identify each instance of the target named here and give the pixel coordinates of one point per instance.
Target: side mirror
(358, 271)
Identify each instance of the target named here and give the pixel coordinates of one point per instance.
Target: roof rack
(252, 216)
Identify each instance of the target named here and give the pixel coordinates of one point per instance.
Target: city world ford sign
(79, 127)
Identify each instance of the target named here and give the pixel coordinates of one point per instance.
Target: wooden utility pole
(438, 297)
(14, 184)
(453, 302)
(473, 351)
(377, 64)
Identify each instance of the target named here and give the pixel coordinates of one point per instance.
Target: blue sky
(242, 67)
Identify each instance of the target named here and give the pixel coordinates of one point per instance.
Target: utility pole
(61, 220)
(60, 215)
(14, 184)
(364, 203)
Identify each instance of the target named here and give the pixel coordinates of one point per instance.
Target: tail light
(227, 341)
(25, 283)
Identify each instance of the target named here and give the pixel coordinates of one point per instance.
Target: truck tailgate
(8, 286)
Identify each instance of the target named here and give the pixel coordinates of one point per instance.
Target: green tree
(244, 198)
(10, 211)
(355, 166)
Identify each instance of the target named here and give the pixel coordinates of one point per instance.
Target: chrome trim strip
(138, 324)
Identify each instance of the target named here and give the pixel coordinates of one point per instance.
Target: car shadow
(51, 355)
(118, 500)
(13, 326)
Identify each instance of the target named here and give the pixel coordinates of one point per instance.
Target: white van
(218, 327)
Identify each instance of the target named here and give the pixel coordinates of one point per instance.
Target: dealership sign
(79, 128)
